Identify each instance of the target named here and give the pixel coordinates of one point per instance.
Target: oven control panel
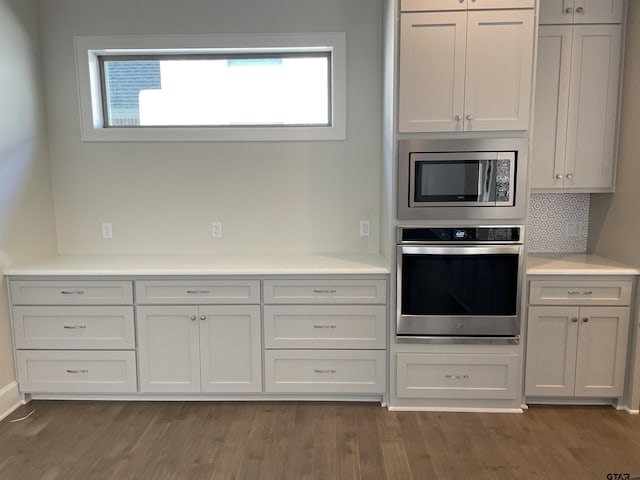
(499, 234)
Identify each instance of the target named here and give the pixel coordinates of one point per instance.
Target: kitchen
(161, 197)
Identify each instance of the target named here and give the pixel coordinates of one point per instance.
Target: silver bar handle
(456, 377)
(324, 326)
(75, 327)
(331, 371)
(198, 292)
(578, 292)
(72, 292)
(325, 291)
(77, 371)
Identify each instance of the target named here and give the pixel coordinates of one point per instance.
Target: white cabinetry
(581, 11)
(577, 337)
(576, 107)
(74, 336)
(199, 348)
(442, 375)
(325, 336)
(451, 78)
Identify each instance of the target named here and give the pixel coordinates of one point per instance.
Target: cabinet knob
(568, 10)
(580, 9)
(203, 317)
(574, 319)
(585, 319)
(569, 176)
(469, 117)
(458, 118)
(559, 176)
(193, 318)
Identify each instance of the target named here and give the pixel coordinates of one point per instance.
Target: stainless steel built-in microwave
(462, 179)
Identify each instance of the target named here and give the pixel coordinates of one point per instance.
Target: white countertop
(296, 264)
(575, 264)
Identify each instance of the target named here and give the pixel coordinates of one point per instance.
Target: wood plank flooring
(323, 441)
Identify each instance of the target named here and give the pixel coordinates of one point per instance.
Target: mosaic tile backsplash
(558, 223)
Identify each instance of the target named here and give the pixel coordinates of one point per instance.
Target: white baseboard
(9, 399)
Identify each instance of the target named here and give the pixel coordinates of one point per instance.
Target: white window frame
(89, 48)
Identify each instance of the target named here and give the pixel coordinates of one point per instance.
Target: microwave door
(486, 182)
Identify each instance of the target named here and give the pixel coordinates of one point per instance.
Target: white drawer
(61, 328)
(325, 326)
(437, 5)
(71, 292)
(579, 292)
(198, 292)
(76, 371)
(325, 371)
(325, 291)
(477, 376)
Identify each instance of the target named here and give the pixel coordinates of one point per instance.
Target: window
(245, 87)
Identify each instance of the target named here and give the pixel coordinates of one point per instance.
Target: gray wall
(161, 197)
(27, 225)
(614, 224)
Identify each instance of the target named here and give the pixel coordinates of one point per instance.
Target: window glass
(216, 90)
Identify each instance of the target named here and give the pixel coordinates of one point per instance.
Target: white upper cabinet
(581, 11)
(451, 78)
(434, 5)
(432, 79)
(575, 108)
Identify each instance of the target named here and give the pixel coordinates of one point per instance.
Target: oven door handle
(461, 250)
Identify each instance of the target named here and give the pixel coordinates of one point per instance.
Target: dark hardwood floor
(255, 441)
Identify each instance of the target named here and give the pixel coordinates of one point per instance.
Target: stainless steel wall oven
(459, 284)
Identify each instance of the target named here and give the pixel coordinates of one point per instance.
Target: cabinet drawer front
(76, 371)
(434, 5)
(325, 326)
(478, 376)
(61, 328)
(198, 292)
(325, 371)
(547, 292)
(325, 291)
(71, 292)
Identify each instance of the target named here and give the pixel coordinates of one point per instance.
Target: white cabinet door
(168, 349)
(593, 101)
(432, 71)
(552, 338)
(581, 11)
(576, 107)
(498, 85)
(230, 348)
(602, 351)
(551, 106)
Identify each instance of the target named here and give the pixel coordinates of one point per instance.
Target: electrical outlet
(365, 228)
(216, 229)
(107, 230)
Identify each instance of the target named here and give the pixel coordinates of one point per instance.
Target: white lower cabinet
(576, 351)
(457, 376)
(71, 371)
(577, 336)
(325, 371)
(205, 348)
(325, 336)
(74, 336)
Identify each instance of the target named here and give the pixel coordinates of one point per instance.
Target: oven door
(458, 291)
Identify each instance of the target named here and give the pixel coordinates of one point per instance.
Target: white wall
(614, 222)
(162, 197)
(27, 226)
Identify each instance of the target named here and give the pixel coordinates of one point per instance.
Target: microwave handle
(489, 191)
